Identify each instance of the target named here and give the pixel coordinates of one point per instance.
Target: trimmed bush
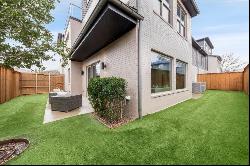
(107, 97)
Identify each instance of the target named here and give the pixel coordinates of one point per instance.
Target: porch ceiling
(111, 24)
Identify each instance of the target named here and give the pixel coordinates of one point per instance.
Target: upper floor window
(181, 20)
(162, 7)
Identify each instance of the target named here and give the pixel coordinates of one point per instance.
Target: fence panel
(246, 80)
(223, 81)
(13, 83)
(9, 84)
(35, 83)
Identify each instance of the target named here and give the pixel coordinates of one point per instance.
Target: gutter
(95, 13)
(139, 71)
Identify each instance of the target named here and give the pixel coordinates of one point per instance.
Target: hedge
(107, 97)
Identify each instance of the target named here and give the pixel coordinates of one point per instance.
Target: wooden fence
(40, 83)
(235, 81)
(246, 80)
(13, 84)
(9, 84)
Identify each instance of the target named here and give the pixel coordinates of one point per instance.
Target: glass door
(94, 71)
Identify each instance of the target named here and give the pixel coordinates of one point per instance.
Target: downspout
(138, 58)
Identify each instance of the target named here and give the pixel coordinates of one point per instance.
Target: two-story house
(146, 42)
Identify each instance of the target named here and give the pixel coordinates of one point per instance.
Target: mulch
(112, 125)
(12, 148)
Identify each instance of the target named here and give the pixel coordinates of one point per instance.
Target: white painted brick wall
(121, 60)
(157, 34)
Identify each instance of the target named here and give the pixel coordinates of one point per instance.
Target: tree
(24, 39)
(230, 63)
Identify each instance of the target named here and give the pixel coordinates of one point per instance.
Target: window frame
(171, 59)
(91, 66)
(185, 77)
(181, 23)
(167, 5)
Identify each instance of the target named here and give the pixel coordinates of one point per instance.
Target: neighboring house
(72, 31)
(203, 60)
(146, 42)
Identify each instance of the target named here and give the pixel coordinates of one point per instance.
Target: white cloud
(237, 43)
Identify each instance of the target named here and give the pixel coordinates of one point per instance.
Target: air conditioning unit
(199, 87)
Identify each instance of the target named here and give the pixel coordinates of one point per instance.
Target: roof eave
(192, 7)
(95, 13)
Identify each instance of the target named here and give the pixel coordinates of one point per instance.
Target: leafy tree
(24, 39)
(230, 63)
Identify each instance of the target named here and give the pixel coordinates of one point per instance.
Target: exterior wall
(72, 31)
(158, 35)
(76, 78)
(197, 66)
(121, 60)
(195, 71)
(213, 65)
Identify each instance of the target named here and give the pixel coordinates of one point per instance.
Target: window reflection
(160, 73)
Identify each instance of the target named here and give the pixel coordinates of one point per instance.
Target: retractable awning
(110, 24)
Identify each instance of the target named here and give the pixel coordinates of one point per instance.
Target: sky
(225, 22)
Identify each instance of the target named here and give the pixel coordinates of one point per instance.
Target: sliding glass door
(94, 70)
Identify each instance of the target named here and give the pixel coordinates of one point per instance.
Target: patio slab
(51, 116)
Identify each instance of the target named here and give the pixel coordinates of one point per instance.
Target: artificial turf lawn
(211, 130)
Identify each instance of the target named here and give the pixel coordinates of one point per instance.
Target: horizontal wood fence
(13, 84)
(235, 81)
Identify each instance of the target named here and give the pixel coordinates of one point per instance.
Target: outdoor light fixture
(103, 65)
(82, 73)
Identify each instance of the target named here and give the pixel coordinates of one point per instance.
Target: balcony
(110, 23)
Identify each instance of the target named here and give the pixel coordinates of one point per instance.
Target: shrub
(107, 97)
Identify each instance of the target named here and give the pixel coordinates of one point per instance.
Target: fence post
(49, 82)
(36, 83)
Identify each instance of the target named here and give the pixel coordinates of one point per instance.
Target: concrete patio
(51, 116)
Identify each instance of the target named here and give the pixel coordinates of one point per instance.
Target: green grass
(211, 130)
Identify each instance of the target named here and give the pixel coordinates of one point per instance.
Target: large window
(181, 68)
(162, 7)
(181, 20)
(160, 73)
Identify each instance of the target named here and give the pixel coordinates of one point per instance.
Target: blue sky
(226, 22)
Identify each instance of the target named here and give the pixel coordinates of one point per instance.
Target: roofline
(216, 56)
(74, 18)
(95, 13)
(198, 47)
(68, 21)
(193, 9)
(207, 40)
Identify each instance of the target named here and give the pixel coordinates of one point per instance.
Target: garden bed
(12, 148)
